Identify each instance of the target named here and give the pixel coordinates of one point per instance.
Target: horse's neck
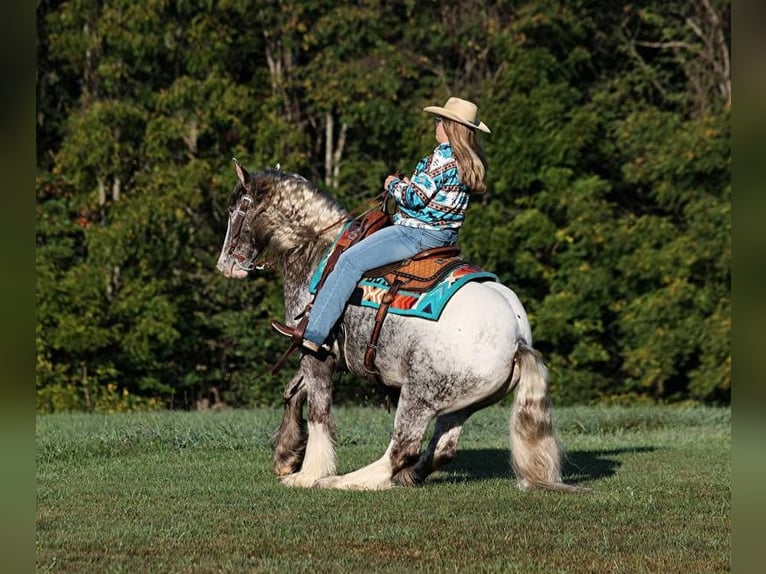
(300, 216)
(297, 270)
(304, 224)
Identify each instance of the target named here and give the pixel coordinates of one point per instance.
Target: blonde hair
(470, 158)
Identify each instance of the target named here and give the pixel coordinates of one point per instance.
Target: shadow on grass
(579, 466)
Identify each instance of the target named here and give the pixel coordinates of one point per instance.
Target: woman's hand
(391, 178)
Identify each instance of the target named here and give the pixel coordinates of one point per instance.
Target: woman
(432, 206)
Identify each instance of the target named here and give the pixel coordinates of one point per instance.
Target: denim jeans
(390, 244)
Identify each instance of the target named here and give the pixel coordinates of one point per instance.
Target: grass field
(194, 492)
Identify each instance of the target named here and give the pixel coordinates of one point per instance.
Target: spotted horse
(473, 351)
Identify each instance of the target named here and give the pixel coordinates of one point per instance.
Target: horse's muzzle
(230, 269)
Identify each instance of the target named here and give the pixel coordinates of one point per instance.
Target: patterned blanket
(428, 305)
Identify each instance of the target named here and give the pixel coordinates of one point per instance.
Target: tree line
(608, 209)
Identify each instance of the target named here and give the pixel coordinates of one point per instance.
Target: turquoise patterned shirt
(434, 198)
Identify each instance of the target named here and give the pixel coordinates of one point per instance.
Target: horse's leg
(319, 459)
(410, 423)
(290, 439)
(443, 446)
(441, 449)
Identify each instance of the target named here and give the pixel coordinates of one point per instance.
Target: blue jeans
(390, 244)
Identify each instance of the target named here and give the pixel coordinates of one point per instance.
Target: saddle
(417, 274)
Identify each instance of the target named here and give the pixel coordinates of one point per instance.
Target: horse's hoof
(342, 483)
(297, 480)
(329, 482)
(284, 469)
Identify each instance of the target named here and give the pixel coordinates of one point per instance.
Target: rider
(432, 206)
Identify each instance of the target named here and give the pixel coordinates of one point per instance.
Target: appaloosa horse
(478, 350)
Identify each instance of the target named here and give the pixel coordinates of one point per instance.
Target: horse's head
(281, 211)
(243, 241)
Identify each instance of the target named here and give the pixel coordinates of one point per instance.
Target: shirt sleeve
(421, 188)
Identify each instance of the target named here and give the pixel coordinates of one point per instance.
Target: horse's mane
(294, 212)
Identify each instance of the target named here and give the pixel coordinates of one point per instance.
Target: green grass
(194, 492)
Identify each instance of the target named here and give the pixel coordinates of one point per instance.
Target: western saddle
(417, 274)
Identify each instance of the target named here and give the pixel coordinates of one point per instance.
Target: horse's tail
(536, 453)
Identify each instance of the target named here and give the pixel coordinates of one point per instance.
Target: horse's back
(479, 309)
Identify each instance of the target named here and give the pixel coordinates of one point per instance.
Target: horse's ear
(242, 174)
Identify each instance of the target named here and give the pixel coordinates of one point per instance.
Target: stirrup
(321, 350)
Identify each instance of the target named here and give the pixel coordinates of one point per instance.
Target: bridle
(237, 220)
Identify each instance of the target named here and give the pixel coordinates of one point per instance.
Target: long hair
(470, 158)
(535, 450)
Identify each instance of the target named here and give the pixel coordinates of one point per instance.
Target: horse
(478, 351)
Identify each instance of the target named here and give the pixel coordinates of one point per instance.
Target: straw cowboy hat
(461, 111)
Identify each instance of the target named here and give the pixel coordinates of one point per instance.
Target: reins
(373, 203)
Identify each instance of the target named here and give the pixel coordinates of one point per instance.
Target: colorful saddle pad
(427, 305)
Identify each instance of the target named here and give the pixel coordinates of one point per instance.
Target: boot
(296, 334)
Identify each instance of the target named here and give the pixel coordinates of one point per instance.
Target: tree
(608, 208)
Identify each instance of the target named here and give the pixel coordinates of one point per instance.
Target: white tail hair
(536, 452)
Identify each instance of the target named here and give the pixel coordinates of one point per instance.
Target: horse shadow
(578, 466)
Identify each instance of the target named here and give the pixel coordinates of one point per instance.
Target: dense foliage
(609, 209)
